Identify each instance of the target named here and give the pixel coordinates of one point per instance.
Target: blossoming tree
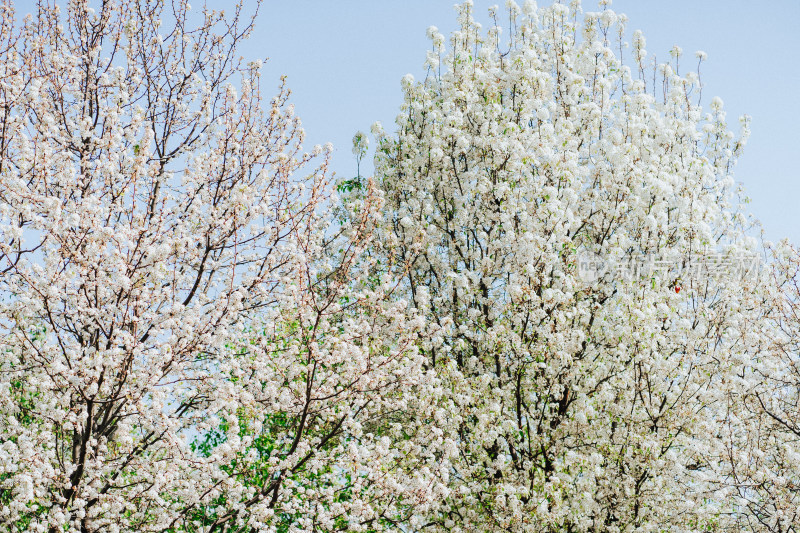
(577, 244)
(542, 315)
(187, 344)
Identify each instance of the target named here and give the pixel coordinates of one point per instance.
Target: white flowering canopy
(543, 314)
(186, 343)
(617, 401)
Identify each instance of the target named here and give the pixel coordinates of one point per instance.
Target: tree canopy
(547, 311)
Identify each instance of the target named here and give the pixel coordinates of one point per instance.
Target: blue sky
(345, 59)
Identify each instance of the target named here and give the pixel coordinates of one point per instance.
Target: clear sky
(344, 60)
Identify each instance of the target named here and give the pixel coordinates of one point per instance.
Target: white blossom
(621, 403)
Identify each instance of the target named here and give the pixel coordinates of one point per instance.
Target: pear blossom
(630, 400)
(189, 341)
